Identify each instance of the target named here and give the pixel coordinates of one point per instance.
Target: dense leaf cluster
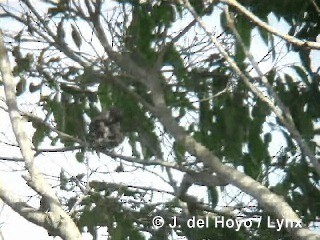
(202, 92)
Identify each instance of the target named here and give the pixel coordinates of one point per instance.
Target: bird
(105, 129)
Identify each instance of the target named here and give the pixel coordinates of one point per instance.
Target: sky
(12, 225)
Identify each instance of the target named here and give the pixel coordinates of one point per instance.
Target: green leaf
(224, 22)
(179, 152)
(164, 13)
(251, 166)
(33, 88)
(80, 156)
(63, 180)
(264, 35)
(267, 138)
(244, 28)
(39, 135)
(213, 196)
(76, 36)
(21, 86)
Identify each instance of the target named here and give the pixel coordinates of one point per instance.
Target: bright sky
(15, 227)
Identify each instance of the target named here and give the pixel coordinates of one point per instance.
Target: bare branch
(286, 117)
(152, 80)
(262, 24)
(19, 206)
(269, 200)
(64, 226)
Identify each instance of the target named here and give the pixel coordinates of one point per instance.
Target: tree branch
(269, 200)
(19, 206)
(152, 80)
(286, 117)
(260, 23)
(62, 223)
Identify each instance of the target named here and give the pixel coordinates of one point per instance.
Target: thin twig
(287, 120)
(262, 24)
(66, 227)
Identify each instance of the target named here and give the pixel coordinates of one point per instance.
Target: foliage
(201, 91)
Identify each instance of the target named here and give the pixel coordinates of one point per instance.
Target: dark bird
(105, 129)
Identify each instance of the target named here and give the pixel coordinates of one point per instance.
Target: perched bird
(105, 129)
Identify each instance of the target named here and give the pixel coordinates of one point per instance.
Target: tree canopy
(220, 106)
